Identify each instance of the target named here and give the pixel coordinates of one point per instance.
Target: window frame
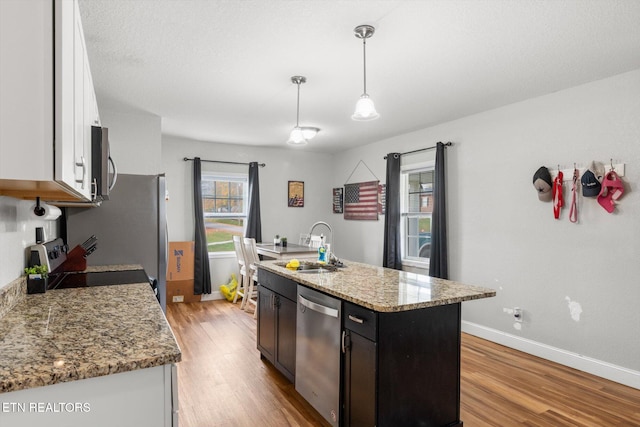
(227, 177)
(405, 171)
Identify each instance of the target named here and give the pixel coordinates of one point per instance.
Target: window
(224, 200)
(416, 208)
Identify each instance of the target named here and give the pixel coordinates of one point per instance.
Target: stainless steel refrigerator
(131, 227)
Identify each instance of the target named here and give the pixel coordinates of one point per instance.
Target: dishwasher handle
(328, 311)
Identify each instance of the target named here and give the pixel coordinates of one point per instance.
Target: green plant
(37, 269)
(283, 239)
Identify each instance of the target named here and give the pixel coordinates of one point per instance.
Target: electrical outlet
(178, 298)
(517, 314)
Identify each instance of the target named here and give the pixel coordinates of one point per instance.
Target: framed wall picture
(361, 201)
(338, 206)
(295, 194)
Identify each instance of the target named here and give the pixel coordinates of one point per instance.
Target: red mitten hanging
(558, 200)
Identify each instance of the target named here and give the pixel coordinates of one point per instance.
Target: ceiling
(220, 70)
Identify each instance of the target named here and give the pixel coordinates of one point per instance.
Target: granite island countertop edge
(382, 289)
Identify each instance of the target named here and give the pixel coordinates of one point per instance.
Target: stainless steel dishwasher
(318, 352)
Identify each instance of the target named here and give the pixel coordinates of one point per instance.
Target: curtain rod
(447, 144)
(186, 159)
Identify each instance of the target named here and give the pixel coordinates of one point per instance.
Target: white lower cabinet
(141, 398)
(48, 102)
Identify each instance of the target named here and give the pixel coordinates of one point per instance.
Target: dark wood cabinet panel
(266, 323)
(277, 322)
(286, 337)
(410, 375)
(359, 381)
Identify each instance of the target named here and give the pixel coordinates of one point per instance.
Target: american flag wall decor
(361, 201)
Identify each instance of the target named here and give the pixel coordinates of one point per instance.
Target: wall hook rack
(618, 168)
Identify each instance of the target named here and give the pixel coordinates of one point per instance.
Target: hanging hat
(590, 184)
(598, 170)
(542, 183)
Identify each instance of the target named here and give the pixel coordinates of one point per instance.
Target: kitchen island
(400, 339)
(97, 356)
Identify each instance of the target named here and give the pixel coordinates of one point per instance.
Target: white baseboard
(212, 296)
(596, 367)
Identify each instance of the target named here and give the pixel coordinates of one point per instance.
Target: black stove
(102, 278)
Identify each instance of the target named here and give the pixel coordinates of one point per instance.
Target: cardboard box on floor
(180, 273)
(181, 261)
(181, 291)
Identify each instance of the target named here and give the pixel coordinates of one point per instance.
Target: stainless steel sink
(312, 268)
(315, 268)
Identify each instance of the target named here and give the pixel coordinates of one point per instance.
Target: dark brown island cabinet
(401, 368)
(398, 368)
(277, 321)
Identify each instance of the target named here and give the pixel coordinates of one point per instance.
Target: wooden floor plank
(222, 382)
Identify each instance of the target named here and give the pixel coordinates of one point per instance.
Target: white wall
(282, 165)
(17, 233)
(363, 240)
(501, 236)
(134, 141)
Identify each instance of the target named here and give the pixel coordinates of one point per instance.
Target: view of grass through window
(224, 203)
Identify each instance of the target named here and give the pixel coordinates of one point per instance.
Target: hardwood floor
(223, 382)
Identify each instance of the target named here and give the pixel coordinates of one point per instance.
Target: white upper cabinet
(48, 103)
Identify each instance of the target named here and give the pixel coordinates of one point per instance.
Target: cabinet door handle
(79, 163)
(346, 341)
(356, 319)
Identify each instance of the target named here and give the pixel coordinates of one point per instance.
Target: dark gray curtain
(201, 273)
(438, 261)
(392, 239)
(254, 223)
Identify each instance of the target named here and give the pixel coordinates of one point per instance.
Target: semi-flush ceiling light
(365, 110)
(300, 135)
(309, 132)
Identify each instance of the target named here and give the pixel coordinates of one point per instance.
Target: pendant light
(365, 110)
(300, 135)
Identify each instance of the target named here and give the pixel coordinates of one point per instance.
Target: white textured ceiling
(219, 70)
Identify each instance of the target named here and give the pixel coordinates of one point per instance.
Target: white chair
(252, 260)
(304, 239)
(242, 270)
(315, 241)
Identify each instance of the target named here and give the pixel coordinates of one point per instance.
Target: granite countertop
(382, 289)
(116, 267)
(71, 334)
